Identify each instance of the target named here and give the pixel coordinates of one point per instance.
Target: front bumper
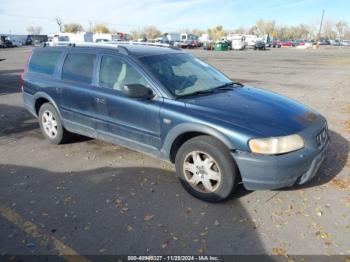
(273, 172)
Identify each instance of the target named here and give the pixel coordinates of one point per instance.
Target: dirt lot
(89, 197)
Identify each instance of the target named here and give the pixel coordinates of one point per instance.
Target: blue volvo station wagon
(167, 103)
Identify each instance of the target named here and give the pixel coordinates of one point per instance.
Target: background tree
(135, 34)
(328, 31)
(253, 30)
(151, 32)
(342, 27)
(347, 34)
(197, 32)
(73, 28)
(100, 28)
(34, 30)
(217, 32)
(59, 23)
(240, 30)
(264, 27)
(113, 31)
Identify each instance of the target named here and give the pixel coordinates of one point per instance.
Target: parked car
(5, 42)
(36, 39)
(287, 43)
(298, 42)
(345, 42)
(169, 104)
(276, 43)
(189, 44)
(259, 45)
(324, 42)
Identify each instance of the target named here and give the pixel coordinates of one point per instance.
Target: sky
(167, 15)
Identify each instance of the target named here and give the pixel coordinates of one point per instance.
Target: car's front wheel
(51, 125)
(206, 169)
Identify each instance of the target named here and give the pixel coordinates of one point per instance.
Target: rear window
(44, 62)
(78, 67)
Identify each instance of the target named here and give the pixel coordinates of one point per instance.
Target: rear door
(78, 107)
(136, 121)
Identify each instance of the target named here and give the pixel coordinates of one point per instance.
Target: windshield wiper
(229, 85)
(201, 92)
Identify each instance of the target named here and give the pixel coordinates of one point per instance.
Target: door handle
(100, 100)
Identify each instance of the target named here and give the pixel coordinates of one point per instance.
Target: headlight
(276, 145)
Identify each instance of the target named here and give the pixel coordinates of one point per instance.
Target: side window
(44, 62)
(115, 73)
(79, 67)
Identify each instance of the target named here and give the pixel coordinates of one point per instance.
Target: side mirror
(138, 91)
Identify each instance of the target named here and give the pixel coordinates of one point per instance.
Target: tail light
(25, 69)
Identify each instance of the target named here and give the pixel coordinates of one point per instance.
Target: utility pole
(319, 32)
(90, 24)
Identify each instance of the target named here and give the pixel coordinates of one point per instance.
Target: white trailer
(205, 38)
(65, 38)
(238, 41)
(173, 37)
(188, 37)
(101, 37)
(250, 40)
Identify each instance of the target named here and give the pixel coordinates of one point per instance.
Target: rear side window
(79, 67)
(115, 73)
(44, 62)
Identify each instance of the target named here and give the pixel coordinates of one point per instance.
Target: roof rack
(140, 43)
(113, 44)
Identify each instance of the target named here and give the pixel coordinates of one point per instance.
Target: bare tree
(34, 30)
(240, 30)
(264, 27)
(59, 23)
(136, 34)
(197, 32)
(342, 27)
(151, 32)
(329, 30)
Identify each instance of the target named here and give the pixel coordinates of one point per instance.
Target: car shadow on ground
(9, 81)
(132, 210)
(15, 121)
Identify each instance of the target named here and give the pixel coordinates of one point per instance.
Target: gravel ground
(89, 197)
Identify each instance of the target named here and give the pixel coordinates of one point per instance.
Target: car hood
(259, 111)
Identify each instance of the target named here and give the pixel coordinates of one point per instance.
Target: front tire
(206, 169)
(51, 124)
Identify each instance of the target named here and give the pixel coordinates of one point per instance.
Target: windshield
(183, 74)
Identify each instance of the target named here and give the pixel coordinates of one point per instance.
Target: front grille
(322, 137)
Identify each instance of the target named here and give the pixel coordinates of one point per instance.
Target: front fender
(184, 128)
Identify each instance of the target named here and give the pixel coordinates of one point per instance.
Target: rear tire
(206, 169)
(51, 124)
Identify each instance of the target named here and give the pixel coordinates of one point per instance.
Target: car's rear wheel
(206, 169)
(51, 124)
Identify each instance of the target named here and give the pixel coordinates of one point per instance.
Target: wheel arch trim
(39, 95)
(184, 128)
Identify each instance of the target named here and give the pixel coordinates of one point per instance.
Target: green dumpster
(221, 46)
